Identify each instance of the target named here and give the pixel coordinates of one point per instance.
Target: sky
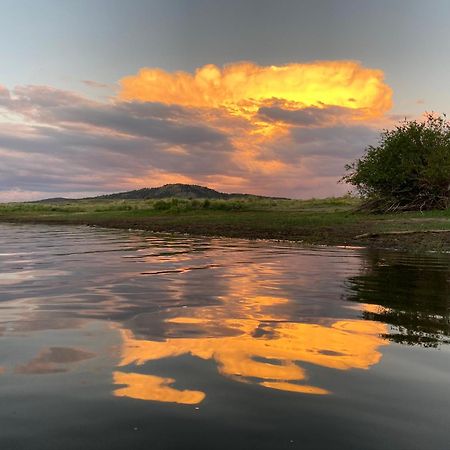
(247, 96)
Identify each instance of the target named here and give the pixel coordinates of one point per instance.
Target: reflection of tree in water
(413, 295)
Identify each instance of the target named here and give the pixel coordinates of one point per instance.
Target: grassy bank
(330, 221)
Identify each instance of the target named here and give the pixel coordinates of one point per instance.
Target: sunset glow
(276, 105)
(259, 107)
(224, 225)
(241, 127)
(242, 88)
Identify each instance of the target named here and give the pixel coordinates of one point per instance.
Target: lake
(112, 339)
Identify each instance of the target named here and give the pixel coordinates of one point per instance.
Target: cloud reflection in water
(264, 350)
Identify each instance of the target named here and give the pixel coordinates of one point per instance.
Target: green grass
(315, 221)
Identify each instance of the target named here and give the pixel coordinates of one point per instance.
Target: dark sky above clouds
(104, 95)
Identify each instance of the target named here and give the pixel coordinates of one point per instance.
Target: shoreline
(426, 240)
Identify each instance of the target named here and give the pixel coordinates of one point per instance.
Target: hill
(178, 190)
(170, 191)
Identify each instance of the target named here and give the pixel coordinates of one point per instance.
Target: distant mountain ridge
(177, 190)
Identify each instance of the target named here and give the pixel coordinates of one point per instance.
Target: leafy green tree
(408, 170)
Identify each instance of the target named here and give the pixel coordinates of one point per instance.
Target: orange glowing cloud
(243, 87)
(283, 130)
(258, 107)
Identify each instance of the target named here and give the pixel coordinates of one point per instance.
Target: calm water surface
(125, 340)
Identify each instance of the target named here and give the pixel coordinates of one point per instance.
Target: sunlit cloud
(273, 101)
(278, 130)
(245, 86)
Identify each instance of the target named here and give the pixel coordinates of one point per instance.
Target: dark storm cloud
(71, 143)
(347, 141)
(342, 141)
(307, 117)
(170, 124)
